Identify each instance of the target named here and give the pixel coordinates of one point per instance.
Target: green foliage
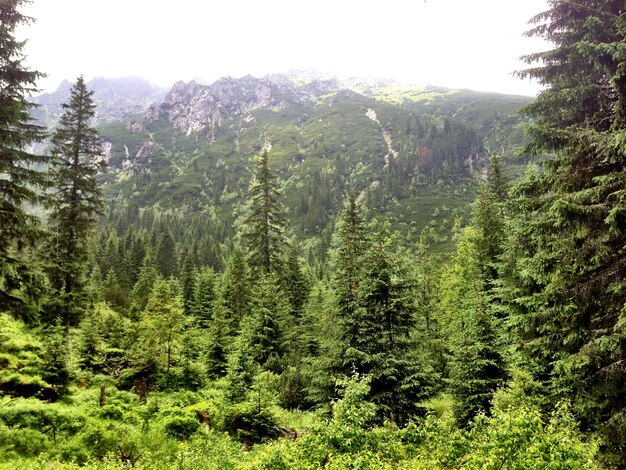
(181, 427)
(21, 364)
(76, 158)
(264, 226)
(476, 364)
(22, 176)
(564, 270)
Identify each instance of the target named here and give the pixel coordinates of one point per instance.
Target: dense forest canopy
(263, 288)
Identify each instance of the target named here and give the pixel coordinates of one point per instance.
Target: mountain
(416, 161)
(115, 98)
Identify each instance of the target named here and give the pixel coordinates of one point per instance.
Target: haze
(452, 43)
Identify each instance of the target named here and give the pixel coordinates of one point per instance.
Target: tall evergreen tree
(166, 254)
(204, 297)
(264, 229)
(566, 266)
(296, 284)
(383, 347)
(77, 200)
(236, 286)
(351, 245)
(476, 365)
(21, 181)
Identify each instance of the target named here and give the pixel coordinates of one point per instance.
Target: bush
(23, 442)
(181, 427)
(31, 413)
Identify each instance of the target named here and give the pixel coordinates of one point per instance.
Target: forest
(157, 335)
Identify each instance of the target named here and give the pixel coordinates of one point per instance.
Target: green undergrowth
(194, 430)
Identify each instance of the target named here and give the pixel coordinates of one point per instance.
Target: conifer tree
(351, 245)
(383, 347)
(296, 284)
(269, 324)
(166, 254)
(476, 365)
(219, 339)
(566, 268)
(204, 297)
(236, 286)
(264, 226)
(187, 280)
(241, 369)
(163, 323)
(76, 201)
(56, 368)
(21, 182)
(148, 275)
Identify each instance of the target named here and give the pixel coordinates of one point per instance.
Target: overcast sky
(455, 43)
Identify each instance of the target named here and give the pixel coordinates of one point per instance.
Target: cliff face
(192, 107)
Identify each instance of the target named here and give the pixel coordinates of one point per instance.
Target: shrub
(23, 442)
(181, 427)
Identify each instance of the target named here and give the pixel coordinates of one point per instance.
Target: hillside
(416, 163)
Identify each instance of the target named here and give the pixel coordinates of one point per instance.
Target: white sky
(454, 43)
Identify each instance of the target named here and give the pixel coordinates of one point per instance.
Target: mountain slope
(195, 149)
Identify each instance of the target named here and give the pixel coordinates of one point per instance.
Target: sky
(471, 44)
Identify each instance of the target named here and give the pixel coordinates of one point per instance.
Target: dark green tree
(566, 265)
(236, 286)
(187, 281)
(264, 226)
(383, 347)
(295, 281)
(21, 181)
(56, 354)
(76, 199)
(166, 255)
(148, 275)
(204, 297)
(219, 339)
(269, 324)
(351, 245)
(476, 364)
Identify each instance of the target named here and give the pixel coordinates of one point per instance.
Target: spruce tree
(204, 297)
(566, 268)
(76, 198)
(476, 365)
(383, 347)
(296, 283)
(236, 286)
(166, 255)
(264, 226)
(351, 244)
(21, 181)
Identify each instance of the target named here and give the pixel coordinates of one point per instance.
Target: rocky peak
(192, 107)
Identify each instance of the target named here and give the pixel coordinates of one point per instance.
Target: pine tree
(218, 340)
(351, 244)
(476, 365)
(166, 255)
(383, 348)
(187, 280)
(77, 200)
(21, 182)
(566, 266)
(204, 297)
(148, 275)
(295, 282)
(269, 324)
(236, 286)
(264, 226)
(56, 368)
(163, 323)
